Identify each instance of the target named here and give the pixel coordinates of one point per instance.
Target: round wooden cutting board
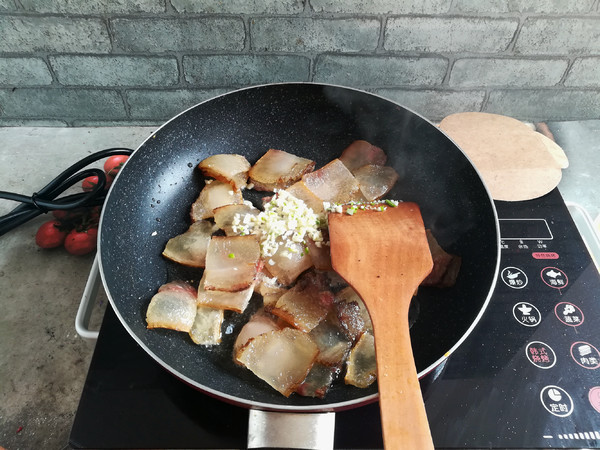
(515, 162)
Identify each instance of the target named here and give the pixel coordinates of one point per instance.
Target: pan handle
(82, 320)
(269, 429)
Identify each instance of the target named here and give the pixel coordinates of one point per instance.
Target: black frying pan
(149, 203)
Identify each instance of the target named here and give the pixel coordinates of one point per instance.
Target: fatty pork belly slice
(375, 181)
(332, 341)
(270, 289)
(317, 382)
(225, 216)
(361, 153)
(189, 248)
(333, 183)
(213, 195)
(281, 358)
(445, 265)
(172, 307)
(301, 192)
(361, 367)
(206, 329)
(305, 305)
(228, 168)
(231, 301)
(277, 169)
(349, 295)
(288, 262)
(261, 322)
(232, 263)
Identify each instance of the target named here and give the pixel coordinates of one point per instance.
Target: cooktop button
(594, 397)
(556, 401)
(514, 277)
(569, 314)
(586, 355)
(540, 354)
(554, 277)
(527, 314)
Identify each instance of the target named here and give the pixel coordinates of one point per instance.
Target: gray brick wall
(111, 62)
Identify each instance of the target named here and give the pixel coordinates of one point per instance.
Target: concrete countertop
(43, 362)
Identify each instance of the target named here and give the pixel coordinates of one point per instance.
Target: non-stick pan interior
(149, 203)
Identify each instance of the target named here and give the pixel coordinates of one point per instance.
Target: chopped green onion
(392, 203)
(231, 255)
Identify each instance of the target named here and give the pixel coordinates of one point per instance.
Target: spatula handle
(403, 416)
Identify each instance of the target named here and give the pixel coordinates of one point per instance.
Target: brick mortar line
(593, 14)
(387, 53)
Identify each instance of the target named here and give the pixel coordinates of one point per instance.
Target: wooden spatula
(384, 256)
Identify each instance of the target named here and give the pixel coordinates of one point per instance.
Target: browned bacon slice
(232, 263)
(375, 181)
(225, 216)
(214, 194)
(261, 322)
(172, 307)
(233, 301)
(300, 191)
(206, 329)
(445, 266)
(349, 295)
(333, 183)
(282, 358)
(228, 168)
(361, 153)
(361, 369)
(317, 382)
(189, 248)
(277, 169)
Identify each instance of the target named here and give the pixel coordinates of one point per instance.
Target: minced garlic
(285, 221)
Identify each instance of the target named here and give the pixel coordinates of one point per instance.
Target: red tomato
(114, 164)
(50, 234)
(89, 183)
(81, 242)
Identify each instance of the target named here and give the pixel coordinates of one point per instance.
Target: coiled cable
(47, 199)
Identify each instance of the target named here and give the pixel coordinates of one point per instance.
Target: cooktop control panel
(529, 375)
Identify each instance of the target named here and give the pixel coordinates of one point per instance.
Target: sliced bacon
(361, 368)
(320, 255)
(375, 181)
(271, 290)
(228, 168)
(206, 329)
(361, 153)
(305, 305)
(225, 216)
(332, 341)
(349, 295)
(233, 301)
(214, 194)
(445, 266)
(232, 263)
(189, 248)
(261, 322)
(286, 265)
(172, 307)
(282, 358)
(317, 382)
(350, 318)
(333, 183)
(300, 191)
(277, 169)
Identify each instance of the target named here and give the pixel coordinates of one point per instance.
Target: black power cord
(46, 199)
